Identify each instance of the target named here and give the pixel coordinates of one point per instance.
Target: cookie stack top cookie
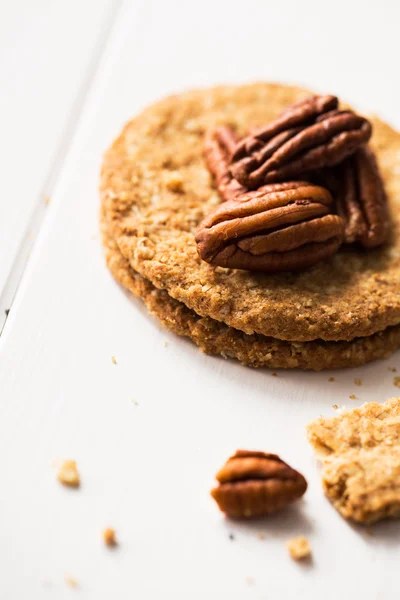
(156, 189)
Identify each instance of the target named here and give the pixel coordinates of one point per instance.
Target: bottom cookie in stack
(215, 337)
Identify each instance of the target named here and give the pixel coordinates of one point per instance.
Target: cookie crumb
(358, 381)
(174, 181)
(331, 379)
(396, 381)
(109, 537)
(113, 360)
(299, 548)
(335, 407)
(68, 474)
(261, 536)
(71, 581)
(392, 369)
(274, 374)
(353, 397)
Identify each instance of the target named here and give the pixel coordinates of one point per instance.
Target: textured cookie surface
(214, 337)
(156, 188)
(360, 450)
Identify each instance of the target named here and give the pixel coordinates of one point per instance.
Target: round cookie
(156, 188)
(214, 337)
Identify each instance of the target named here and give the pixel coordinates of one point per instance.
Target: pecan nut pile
(253, 484)
(310, 135)
(280, 227)
(269, 221)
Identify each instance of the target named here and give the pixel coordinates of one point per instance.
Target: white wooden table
(149, 432)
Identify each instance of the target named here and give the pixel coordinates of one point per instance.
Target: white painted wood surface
(147, 467)
(49, 51)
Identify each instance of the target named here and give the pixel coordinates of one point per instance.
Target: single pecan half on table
(252, 484)
(280, 227)
(362, 201)
(310, 135)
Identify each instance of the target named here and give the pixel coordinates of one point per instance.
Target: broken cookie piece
(360, 453)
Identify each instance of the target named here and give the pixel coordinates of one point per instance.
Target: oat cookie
(360, 451)
(355, 293)
(214, 337)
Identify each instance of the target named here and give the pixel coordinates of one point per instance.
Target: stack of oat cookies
(156, 189)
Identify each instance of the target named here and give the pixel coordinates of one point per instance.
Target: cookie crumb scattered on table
(335, 407)
(299, 548)
(109, 537)
(261, 536)
(353, 397)
(274, 374)
(396, 381)
(331, 379)
(68, 474)
(71, 581)
(114, 360)
(392, 369)
(358, 381)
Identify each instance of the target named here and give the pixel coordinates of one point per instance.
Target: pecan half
(310, 135)
(280, 227)
(253, 484)
(362, 201)
(219, 144)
